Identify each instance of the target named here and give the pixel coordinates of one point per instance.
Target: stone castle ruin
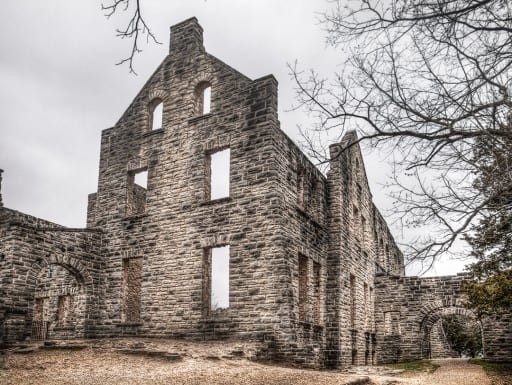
(310, 269)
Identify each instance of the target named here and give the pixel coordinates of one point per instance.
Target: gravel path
(452, 371)
(458, 372)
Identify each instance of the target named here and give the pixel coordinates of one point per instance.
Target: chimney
(186, 36)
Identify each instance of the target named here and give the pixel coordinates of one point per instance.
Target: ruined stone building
(313, 272)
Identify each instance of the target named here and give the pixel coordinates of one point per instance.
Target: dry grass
(499, 373)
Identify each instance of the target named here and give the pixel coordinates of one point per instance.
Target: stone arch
(82, 293)
(71, 263)
(428, 323)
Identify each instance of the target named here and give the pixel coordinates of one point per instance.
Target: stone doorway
(59, 304)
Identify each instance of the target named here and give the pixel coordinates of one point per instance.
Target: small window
(136, 192)
(203, 95)
(218, 173)
(156, 108)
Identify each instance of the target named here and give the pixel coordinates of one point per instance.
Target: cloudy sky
(59, 86)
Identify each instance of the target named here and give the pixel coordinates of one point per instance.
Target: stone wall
(44, 261)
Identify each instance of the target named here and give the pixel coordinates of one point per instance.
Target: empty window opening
(311, 203)
(363, 228)
(300, 188)
(216, 287)
(365, 304)
(136, 192)
(203, 96)
(352, 301)
(218, 173)
(131, 289)
(366, 347)
(207, 97)
(157, 110)
(353, 342)
(317, 287)
(371, 304)
(303, 288)
(381, 253)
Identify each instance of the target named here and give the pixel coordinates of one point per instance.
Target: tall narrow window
(365, 304)
(300, 187)
(303, 288)
(216, 278)
(317, 288)
(136, 191)
(207, 98)
(372, 308)
(352, 301)
(218, 173)
(203, 95)
(356, 223)
(156, 109)
(381, 253)
(131, 290)
(363, 228)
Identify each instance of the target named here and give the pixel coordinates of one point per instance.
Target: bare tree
(424, 79)
(135, 30)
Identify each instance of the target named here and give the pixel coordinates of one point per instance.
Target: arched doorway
(59, 303)
(437, 328)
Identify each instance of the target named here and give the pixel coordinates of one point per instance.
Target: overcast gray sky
(59, 86)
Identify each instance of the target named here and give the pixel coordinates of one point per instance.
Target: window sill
(311, 325)
(215, 201)
(63, 328)
(152, 132)
(309, 216)
(199, 118)
(129, 324)
(134, 217)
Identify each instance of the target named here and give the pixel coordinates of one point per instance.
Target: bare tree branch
(135, 29)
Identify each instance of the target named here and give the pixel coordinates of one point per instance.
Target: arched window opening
(203, 96)
(156, 108)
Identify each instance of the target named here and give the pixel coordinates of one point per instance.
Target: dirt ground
(145, 361)
(179, 363)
